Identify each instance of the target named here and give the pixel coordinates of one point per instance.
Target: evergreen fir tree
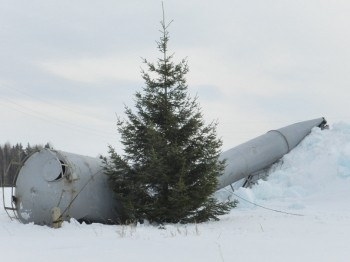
(170, 165)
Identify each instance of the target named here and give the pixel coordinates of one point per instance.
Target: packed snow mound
(318, 167)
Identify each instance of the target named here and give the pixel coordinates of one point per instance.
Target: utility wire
(267, 208)
(56, 121)
(50, 103)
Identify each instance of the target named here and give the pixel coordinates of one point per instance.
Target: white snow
(312, 182)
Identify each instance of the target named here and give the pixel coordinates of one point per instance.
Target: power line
(56, 121)
(59, 106)
(267, 208)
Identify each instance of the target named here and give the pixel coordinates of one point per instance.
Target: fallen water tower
(53, 186)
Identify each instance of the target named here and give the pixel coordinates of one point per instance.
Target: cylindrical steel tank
(261, 152)
(52, 186)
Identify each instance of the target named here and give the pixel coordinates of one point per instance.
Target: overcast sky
(67, 68)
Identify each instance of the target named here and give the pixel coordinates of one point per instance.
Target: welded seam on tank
(285, 139)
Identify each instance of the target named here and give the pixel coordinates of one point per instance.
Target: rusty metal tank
(53, 186)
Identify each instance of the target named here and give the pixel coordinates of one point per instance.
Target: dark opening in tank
(63, 165)
(62, 173)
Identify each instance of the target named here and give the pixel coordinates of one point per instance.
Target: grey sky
(68, 67)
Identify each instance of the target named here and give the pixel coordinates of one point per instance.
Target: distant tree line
(15, 154)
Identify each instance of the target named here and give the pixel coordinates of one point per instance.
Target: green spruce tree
(169, 168)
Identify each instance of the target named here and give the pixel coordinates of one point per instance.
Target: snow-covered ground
(311, 185)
